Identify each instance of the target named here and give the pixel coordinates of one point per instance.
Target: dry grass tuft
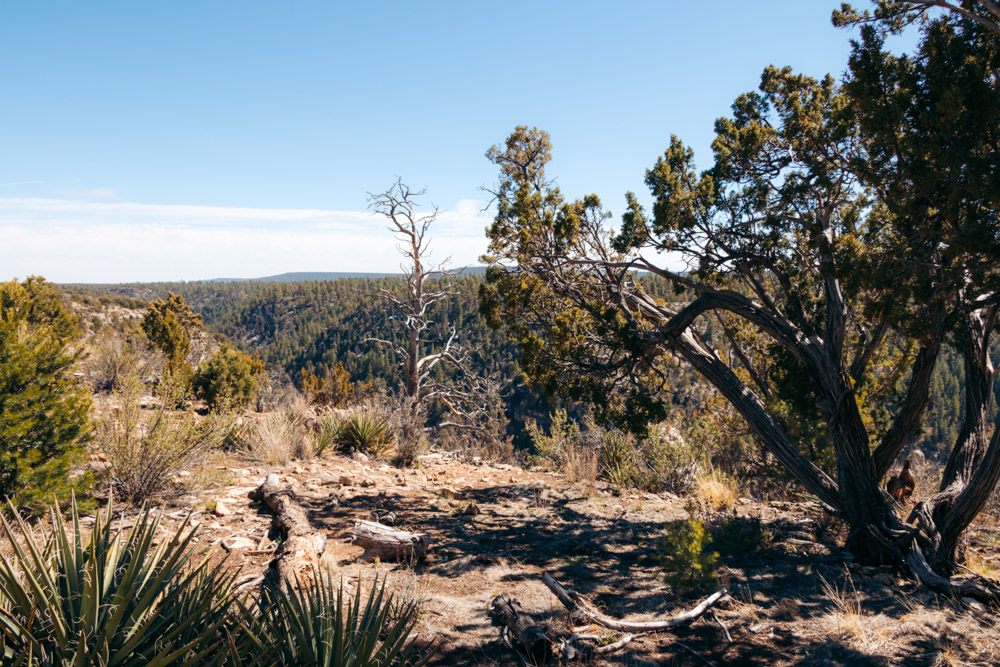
(581, 465)
(278, 439)
(716, 490)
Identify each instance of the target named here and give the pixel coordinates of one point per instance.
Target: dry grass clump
(716, 490)
(581, 465)
(278, 439)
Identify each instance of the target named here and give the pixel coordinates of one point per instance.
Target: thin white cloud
(73, 240)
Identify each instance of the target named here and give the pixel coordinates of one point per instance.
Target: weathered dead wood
(576, 604)
(529, 638)
(976, 587)
(301, 545)
(388, 543)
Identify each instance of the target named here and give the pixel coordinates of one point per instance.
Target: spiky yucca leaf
(367, 433)
(313, 624)
(113, 599)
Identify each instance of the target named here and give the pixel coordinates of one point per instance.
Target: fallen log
(301, 545)
(528, 639)
(576, 604)
(388, 543)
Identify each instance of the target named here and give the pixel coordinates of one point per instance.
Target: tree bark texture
(301, 545)
(387, 543)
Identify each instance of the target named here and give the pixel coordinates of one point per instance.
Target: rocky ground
(794, 600)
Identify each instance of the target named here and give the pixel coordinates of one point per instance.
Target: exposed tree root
(977, 588)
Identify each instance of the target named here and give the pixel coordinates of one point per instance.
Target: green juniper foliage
(43, 411)
(168, 323)
(229, 380)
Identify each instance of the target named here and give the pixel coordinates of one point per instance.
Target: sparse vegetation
(147, 449)
(276, 439)
(686, 556)
(716, 490)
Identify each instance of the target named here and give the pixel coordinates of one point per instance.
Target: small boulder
(346, 480)
(221, 509)
(360, 457)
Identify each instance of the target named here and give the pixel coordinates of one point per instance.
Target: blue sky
(189, 140)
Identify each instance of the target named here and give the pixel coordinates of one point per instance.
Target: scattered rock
(471, 510)
(232, 543)
(449, 492)
(360, 457)
(221, 509)
(346, 480)
(368, 483)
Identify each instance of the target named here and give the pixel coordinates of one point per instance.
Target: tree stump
(388, 543)
(302, 545)
(529, 638)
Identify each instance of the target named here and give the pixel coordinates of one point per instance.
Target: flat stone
(221, 509)
(232, 543)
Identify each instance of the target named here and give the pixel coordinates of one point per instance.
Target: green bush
(329, 431)
(366, 433)
(686, 557)
(549, 447)
(43, 411)
(737, 536)
(229, 380)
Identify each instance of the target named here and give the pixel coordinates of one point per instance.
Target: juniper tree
(932, 119)
(783, 234)
(43, 410)
(168, 323)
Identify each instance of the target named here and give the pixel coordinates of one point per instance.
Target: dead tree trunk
(389, 543)
(529, 638)
(302, 545)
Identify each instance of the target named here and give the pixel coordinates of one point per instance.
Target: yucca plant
(329, 431)
(366, 433)
(313, 625)
(618, 458)
(113, 600)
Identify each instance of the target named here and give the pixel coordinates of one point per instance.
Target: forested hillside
(313, 325)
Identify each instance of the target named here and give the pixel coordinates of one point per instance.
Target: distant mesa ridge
(299, 276)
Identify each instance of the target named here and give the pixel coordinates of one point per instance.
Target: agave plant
(112, 600)
(367, 433)
(312, 624)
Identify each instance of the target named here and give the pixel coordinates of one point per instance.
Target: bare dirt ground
(798, 601)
